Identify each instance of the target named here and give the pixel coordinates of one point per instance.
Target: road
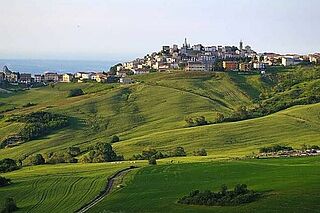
(106, 191)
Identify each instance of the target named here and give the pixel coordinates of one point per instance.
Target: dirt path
(106, 191)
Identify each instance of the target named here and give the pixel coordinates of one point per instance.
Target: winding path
(106, 191)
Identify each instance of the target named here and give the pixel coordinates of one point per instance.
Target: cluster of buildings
(210, 58)
(290, 153)
(53, 77)
(189, 58)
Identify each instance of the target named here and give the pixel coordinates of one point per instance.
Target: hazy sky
(122, 29)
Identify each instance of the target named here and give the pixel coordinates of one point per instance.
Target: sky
(126, 29)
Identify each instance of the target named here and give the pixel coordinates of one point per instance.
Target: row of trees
(275, 148)
(176, 152)
(240, 195)
(101, 152)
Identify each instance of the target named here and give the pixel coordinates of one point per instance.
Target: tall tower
(241, 45)
(185, 43)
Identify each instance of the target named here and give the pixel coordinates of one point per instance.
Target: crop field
(288, 185)
(57, 188)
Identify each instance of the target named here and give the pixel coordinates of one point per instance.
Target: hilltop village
(197, 57)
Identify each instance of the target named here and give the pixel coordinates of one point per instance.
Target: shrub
(75, 92)
(200, 152)
(74, 151)
(240, 195)
(275, 148)
(152, 161)
(196, 121)
(9, 205)
(60, 157)
(115, 139)
(4, 181)
(178, 152)
(101, 152)
(8, 165)
(35, 160)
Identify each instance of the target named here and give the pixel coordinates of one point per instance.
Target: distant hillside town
(189, 58)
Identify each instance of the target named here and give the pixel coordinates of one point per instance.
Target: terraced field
(58, 188)
(289, 185)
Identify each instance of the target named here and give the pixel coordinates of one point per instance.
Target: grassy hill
(129, 111)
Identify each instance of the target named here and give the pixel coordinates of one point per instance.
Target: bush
(240, 195)
(35, 160)
(152, 161)
(115, 139)
(60, 157)
(101, 152)
(9, 205)
(275, 148)
(4, 181)
(8, 165)
(178, 152)
(200, 152)
(149, 153)
(196, 121)
(74, 151)
(75, 92)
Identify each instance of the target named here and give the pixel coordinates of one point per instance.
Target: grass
(289, 185)
(155, 105)
(58, 188)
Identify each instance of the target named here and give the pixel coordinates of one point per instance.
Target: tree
(200, 152)
(115, 139)
(74, 151)
(4, 181)
(9, 205)
(75, 92)
(8, 165)
(196, 121)
(35, 160)
(224, 189)
(113, 69)
(241, 112)
(179, 152)
(219, 118)
(152, 161)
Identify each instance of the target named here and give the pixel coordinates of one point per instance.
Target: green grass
(289, 185)
(57, 188)
(159, 104)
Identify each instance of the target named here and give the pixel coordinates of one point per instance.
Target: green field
(289, 185)
(58, 188)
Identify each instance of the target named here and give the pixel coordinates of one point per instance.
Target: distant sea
(60, 66)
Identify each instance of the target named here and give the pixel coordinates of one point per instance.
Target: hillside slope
(129, 111)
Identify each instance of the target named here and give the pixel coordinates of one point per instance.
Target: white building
(140, 71)
(290, 61)
(195, 66)
(125, 80)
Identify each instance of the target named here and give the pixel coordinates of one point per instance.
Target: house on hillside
(125, 80)
(25, 78)
(67, 77)
(140, 71)
(99, 77)
(38, 78)
(230, 65)
(51, 77)
(245, 67)
(195, 66)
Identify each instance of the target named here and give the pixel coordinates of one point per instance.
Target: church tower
(241, 45)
